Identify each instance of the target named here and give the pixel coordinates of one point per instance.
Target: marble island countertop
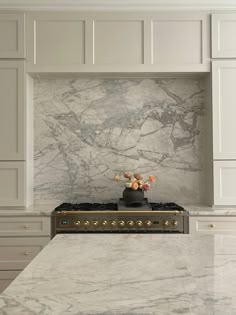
(127, 274)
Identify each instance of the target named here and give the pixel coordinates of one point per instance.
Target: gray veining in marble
(87, 130)
(129, 274)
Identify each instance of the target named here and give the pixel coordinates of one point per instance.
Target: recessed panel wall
(223, 35)
(177, 42)
(224, 182)
(12, 35)
(118, 42)
(12, 110)
(12, 183)
(224, 109)
(59, 42)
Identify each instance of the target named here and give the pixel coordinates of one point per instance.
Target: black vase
(133, 198)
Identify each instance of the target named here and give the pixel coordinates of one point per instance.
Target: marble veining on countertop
(127, 274)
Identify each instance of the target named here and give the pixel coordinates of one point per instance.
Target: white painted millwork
(225, 183)
(12, 184)
(6, 277)
(143, 5)
(24, 226)
(12, 110)
(117, 42)
(224, 35)
(224, 109)
(17, 252)
(21, 239)
(212, 224)
(12, 35)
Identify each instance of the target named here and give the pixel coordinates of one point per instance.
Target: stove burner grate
(165, 206)
(86, 206)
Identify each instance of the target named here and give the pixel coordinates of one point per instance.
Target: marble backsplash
(88, 130)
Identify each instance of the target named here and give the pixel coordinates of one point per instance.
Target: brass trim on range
(176, 212)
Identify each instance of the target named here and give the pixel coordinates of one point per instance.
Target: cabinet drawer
(209, 225)
(24, 226)
(6, 277)
(16, 253)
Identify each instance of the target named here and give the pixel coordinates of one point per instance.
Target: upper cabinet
(224, 109)
(117, 42)
(12, 110)
(224, 35)
(12, 35)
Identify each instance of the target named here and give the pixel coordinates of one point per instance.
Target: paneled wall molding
(118, 4)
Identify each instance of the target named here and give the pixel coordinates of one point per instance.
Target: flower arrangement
(135, 181)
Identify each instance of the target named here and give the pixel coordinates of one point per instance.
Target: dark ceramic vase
(133, 198)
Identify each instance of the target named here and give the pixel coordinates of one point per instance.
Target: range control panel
(118, 222)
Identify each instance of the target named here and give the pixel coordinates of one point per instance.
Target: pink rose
(146, 187)
(127, 175)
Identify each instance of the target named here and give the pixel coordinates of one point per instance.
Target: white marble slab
(129, 274)
(88, 130)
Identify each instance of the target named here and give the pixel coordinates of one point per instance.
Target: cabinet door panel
(118, 42)
(224, 35)
(12, 183)
(180, 40)
(12, 35)
(55, 40)
(225, 183)
(224, 109)
(12, 110)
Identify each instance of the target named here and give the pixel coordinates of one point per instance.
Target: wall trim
(118, 5)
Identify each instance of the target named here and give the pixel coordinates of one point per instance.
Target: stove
(117, 218)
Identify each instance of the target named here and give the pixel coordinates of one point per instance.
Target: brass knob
(77, 223)
(139, 223)
(86, 223)
(95, 223)
(211, 225)
(26, 253)
(175, 223)
(148, 223)
(121, 223)
(165, 223)
(113, 223)
(26, 226)
(130, 223)
(104, 223)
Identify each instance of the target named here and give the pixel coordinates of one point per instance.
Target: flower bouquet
(135, 186)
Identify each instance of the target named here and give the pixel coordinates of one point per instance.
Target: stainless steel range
(116, 217)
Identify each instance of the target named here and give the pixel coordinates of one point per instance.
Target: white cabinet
(12, 183)
(180, 41)
(6, 277)
(12, 35)
(225, 183)
(224, 109)
(22, 238)
(24, 226)
(55, 40)
(117, 42)
(224, 35)
(12, 110)
(212, 224)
